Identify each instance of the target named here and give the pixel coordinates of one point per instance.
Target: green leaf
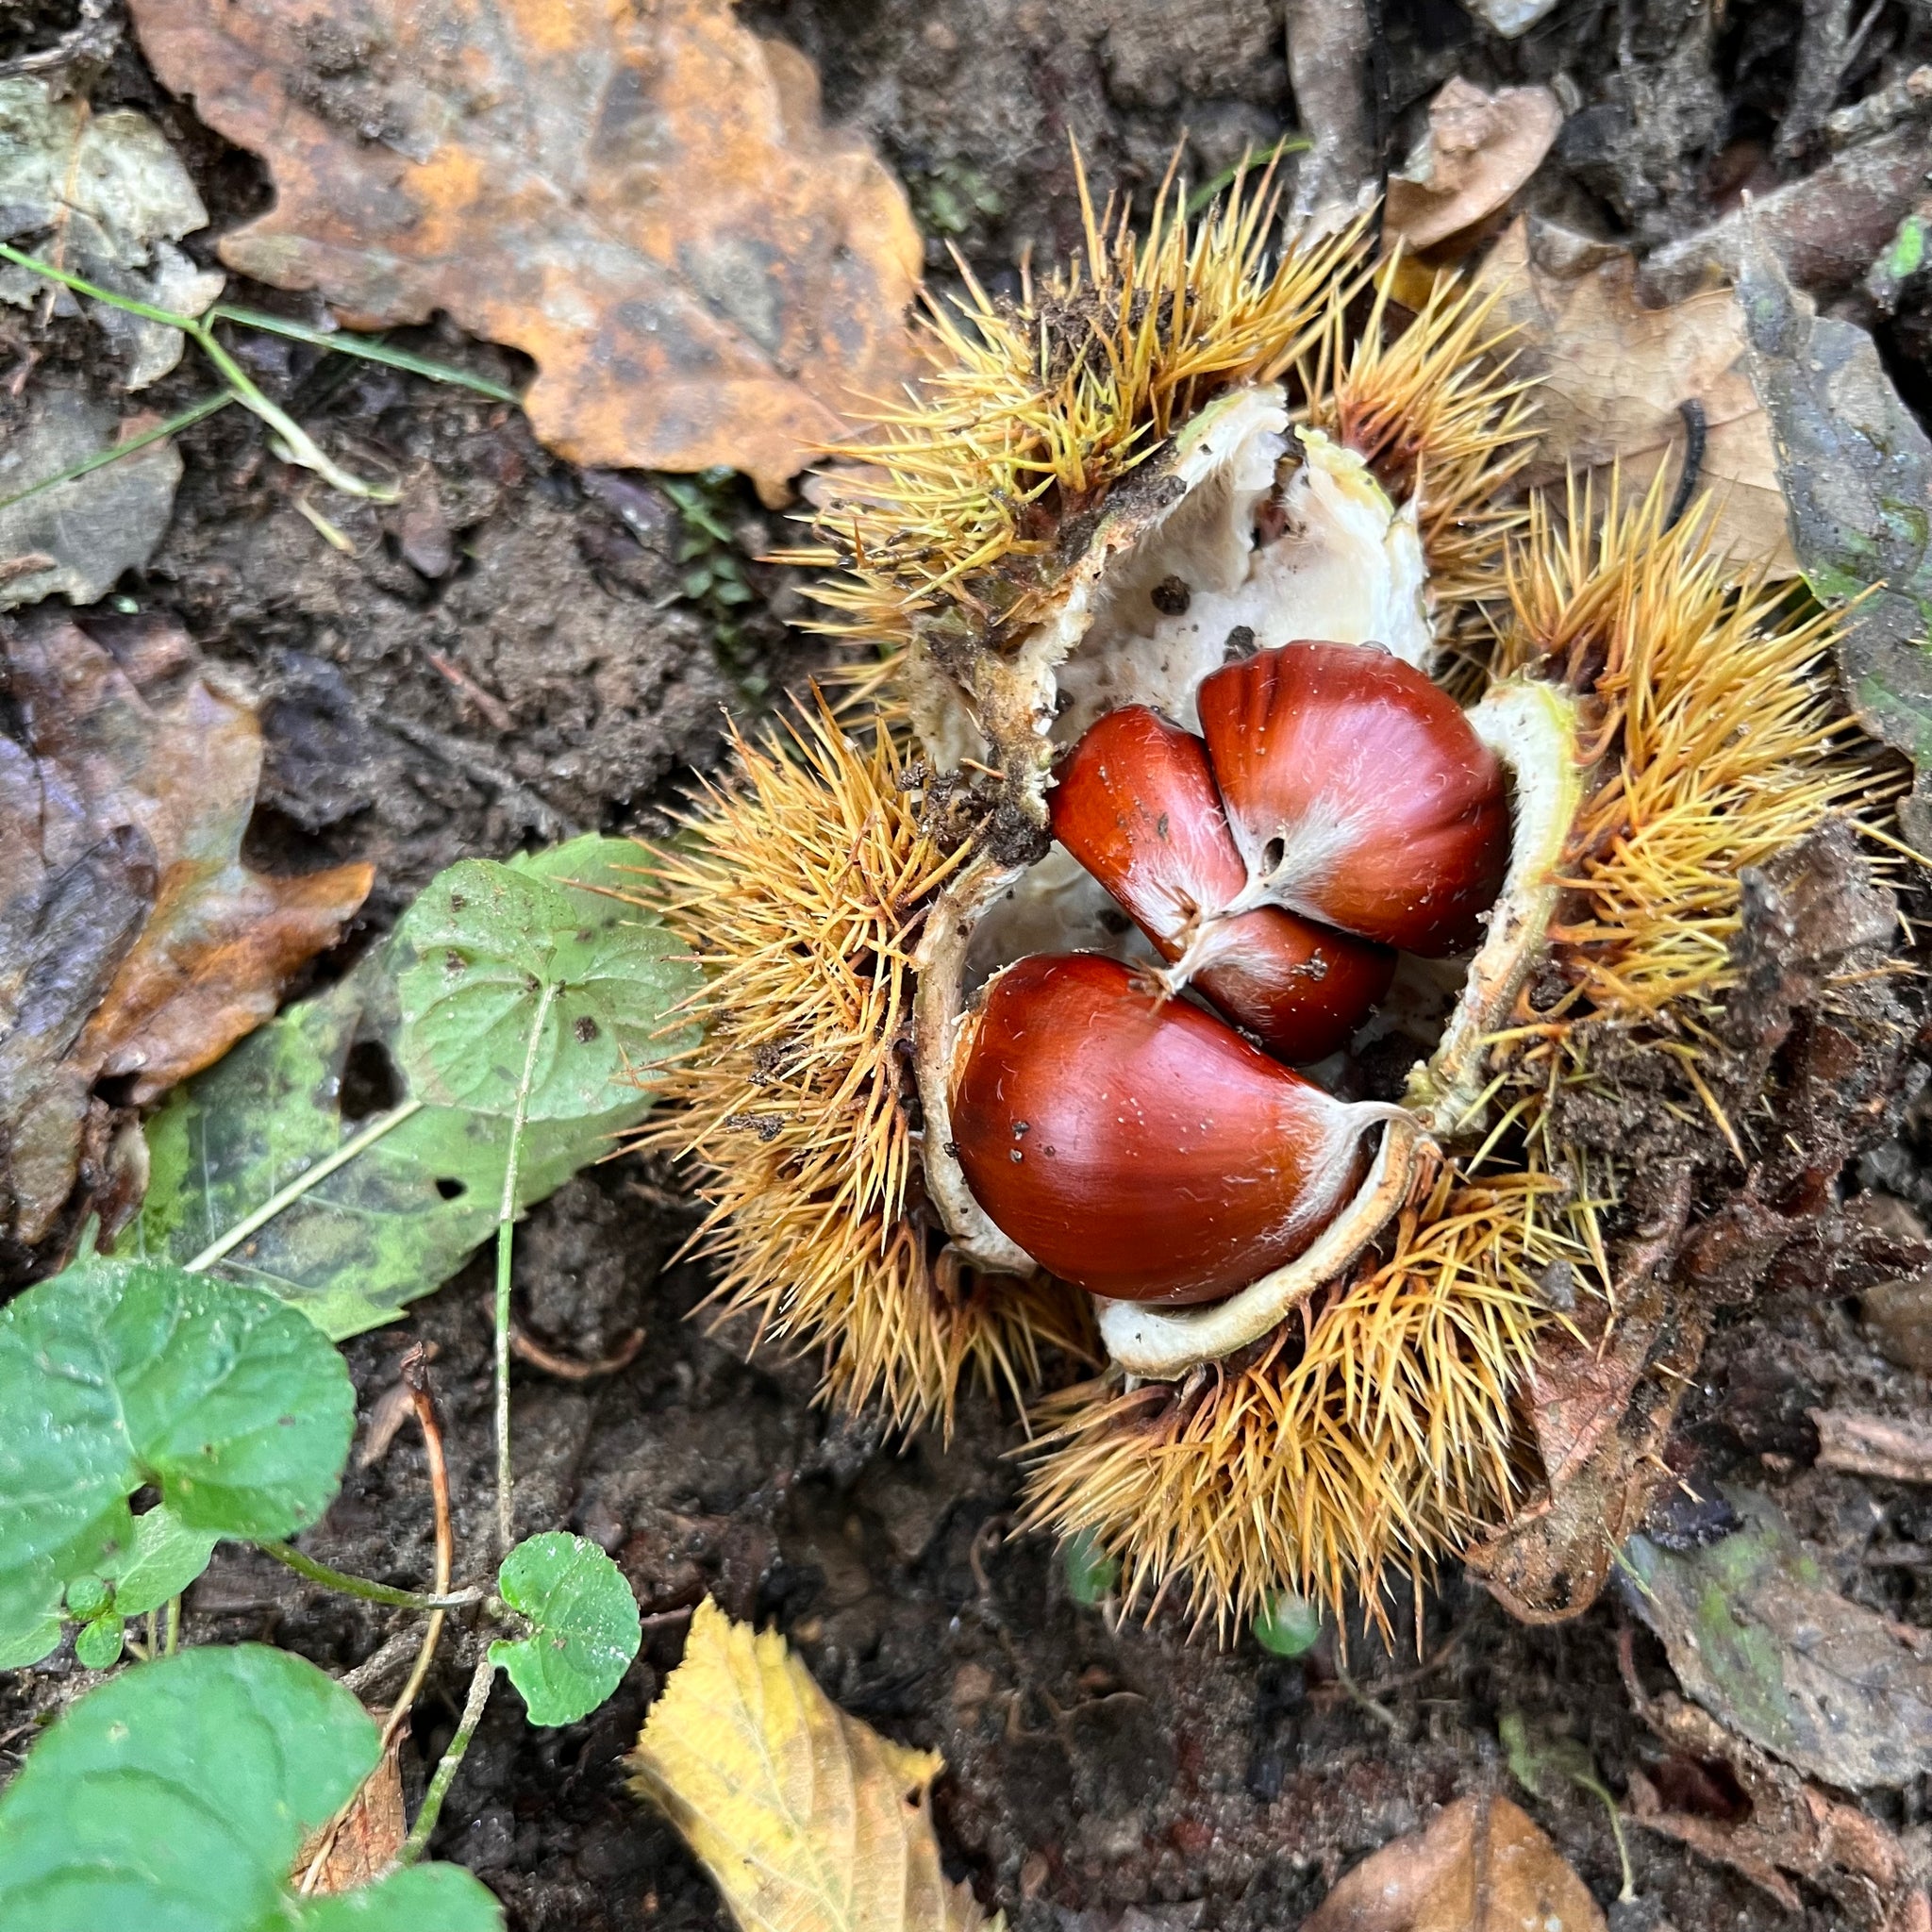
(493, 941)
(1855, 469)
(97, 1644)
(175, 1798)
(586, 1628)
(88, 1596)
(117, 1374)
(1091, 1573)
(1287, 1624)
(164, 1558)
(392, 1224)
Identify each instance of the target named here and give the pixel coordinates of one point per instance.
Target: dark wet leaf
(133, 944)
(1759, 1637)
(173, 1798)
(1857, 472)
(114, 1374)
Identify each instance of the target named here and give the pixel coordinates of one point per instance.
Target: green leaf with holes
(584, 1626)
(115, 1374)
(174, 1799)
(506, 954)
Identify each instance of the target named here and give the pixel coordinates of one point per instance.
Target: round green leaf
(1287, 1624)
(117, 1374)
(491, 940)
(584, 1625)
(1091, 1573)
(419, 1898)
(164, 1558)
(173, 1798)
(88, 1596)
(97, 1644)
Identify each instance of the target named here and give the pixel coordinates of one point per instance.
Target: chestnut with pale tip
(1358, 794)
(1138, 1146)
(1136, 803)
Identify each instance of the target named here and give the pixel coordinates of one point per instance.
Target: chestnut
(1136, 1145)
(1358, 794)
(1136, 803)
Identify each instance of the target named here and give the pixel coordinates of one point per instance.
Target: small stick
(538, 1356)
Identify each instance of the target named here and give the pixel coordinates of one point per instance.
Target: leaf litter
(710, 276)
(135, 944)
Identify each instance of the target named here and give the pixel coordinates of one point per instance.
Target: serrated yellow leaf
(806, 1820)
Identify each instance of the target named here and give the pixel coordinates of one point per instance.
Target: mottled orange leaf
(639, 194)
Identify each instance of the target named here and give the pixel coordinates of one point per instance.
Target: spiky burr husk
(801, 884)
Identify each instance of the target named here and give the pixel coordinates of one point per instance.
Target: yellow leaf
(806, 1820)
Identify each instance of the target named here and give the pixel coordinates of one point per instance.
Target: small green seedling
(1091, 1574)
(1540, 1759)
(585, 1628)
(1287, 1624)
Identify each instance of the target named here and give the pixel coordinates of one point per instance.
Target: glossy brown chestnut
(1138, 1146)
(1358, 794)
(1136, 804)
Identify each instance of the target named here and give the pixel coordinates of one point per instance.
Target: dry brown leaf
(134, 943)
(1483, 1866)
(1876, 1445)
(806, 1820)
(1479, 149)
(643, 198)
(360, 1845)
(1613, 376)
(1783, 1824)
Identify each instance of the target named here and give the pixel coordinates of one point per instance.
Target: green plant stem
(362, 1586)
(101, 459)
(341, 343)
(1610, 1805)
(506, 1223)
(174, 1637)
(302, 1183)
(302, 447)
(417, 1841)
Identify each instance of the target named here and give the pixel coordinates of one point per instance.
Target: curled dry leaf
(1759, 1637)
(1857, 469)
(1771, 1822)
(645, 200)
(1483, 1866)
(133, 944)
(106, 197)
(806, 1819)
(1615, 379)
(1479, 150)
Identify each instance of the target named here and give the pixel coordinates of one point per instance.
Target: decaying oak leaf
(1759, 1637)
(642, 198)
(1616, 381)
(1766, 1820)
(1480, 148)
(1483, 1866)
(133, 944)
(806, 1820)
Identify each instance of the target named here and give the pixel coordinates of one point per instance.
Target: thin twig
(506, 1224)
(416, 1378)
(418, 1839)
(369, 1591)
(562, 1366)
